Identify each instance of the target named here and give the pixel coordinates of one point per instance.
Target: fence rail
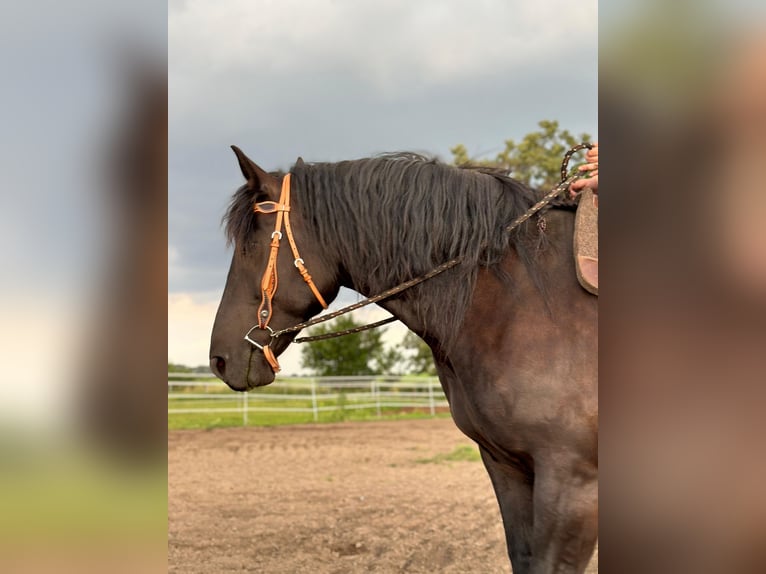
(200, 394)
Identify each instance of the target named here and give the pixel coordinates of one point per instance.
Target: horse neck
(406, 307)
(511, 284)
(369, 248)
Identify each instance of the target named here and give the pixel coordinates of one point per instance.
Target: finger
(577, 185)
(581, 183)
(591, 182)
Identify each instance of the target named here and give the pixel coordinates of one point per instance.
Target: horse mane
(393, 217)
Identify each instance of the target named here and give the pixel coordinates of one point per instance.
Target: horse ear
(255, 176)
(299, 162)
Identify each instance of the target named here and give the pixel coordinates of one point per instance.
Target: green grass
(343, 403)
(75, 496)
(462, 453)
(269, 418)
(219, 420)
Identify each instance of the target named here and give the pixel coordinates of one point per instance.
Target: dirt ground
(331, 499)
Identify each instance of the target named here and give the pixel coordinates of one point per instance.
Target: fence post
(377, 397)
(372, 389)
(431, 397)
(314, 407)
(244, 409)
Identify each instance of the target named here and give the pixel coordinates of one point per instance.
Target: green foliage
(360, 354)
(340, 414)
(174, 368)
(420, 361)
(535, 160)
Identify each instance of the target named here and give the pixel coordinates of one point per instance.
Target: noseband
(270, 279)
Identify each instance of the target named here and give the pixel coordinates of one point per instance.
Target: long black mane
(393, 217)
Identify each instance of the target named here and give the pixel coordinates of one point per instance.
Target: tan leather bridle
(270, 279)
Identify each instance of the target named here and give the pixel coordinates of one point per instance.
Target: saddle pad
(586, 241)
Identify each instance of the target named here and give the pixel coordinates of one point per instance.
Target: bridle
(270, 279)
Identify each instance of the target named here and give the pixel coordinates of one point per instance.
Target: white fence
(200, 394)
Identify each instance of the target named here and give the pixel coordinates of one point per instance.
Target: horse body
(514, 339)
(522, 383)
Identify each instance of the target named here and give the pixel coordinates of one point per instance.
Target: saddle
(586, 241)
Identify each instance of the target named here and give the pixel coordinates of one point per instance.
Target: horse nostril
(218, 366)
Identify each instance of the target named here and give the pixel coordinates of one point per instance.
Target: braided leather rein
(563, 185)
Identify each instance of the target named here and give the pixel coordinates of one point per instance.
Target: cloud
(382, 42)
(44, 336)
(261, 62)
(190, 322)
(385, 44)
(338, 79)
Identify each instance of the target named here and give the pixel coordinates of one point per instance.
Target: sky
(338, 79)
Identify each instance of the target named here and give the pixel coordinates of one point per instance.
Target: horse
(513, 335)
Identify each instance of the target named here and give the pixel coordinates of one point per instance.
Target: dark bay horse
(513, 335)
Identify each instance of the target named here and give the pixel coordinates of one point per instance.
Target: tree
(176, 368)
(359, 354)
(421, 359)
(535, 161)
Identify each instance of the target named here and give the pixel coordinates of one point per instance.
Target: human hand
(592, 168)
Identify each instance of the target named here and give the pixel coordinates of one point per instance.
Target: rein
(269, 281)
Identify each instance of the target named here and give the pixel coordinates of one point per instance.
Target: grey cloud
(355, 81)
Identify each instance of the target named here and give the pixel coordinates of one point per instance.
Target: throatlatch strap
(299, 264)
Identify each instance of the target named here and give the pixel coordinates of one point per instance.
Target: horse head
(268, 286)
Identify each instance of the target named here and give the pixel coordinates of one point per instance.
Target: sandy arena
(331, 499)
